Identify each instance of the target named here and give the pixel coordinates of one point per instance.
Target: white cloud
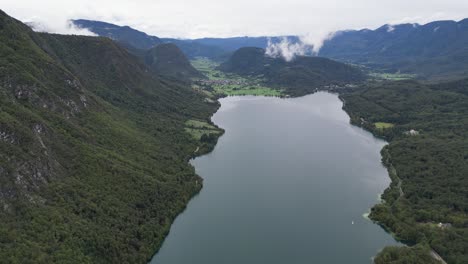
(286, 49)
(59, 27)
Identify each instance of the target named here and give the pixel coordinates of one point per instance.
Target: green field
(235, 84)
(198, 128)
(383, 125)
(393, 76)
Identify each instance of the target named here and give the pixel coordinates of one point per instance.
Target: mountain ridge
(436, 50)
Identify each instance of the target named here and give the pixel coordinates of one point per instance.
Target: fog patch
(57, 26)
(309, 44)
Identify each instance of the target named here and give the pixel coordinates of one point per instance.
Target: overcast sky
(222, 18)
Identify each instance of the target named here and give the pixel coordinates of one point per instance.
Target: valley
(109, 147)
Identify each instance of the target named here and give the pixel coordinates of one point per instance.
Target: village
(221, 82)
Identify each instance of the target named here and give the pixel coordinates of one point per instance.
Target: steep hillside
(124, 34)
(168, 60)
(299, 76)
(435, 50)
(164, 58)
(93, 152)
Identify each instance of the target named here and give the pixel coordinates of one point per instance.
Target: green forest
(427, 159)
(93, 152)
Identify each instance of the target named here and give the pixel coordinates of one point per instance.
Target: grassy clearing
(198, 133)
(393, 76)
(197, 128)
(241, 90)
(383, 125)
(199, 124)
(221, 84)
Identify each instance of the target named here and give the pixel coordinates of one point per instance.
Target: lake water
(288, 183)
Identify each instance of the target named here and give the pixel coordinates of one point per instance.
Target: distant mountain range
(213, 48)
(438, 50)
(163, 58)
(123, 34)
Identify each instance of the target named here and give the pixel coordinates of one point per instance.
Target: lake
(289, 182)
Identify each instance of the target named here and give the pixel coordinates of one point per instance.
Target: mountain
(214, 48)
(168, 60)
(438, 50)
(299, 76)
(165, 59)
(140, 40)
(123, 34)
(93, 152)
(435, 50)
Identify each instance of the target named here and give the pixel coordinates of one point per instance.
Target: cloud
(286, 49)
(60, 27)
(317, 39)
(309, 44)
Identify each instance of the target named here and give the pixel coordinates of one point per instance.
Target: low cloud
(288, 49)
(59, 26)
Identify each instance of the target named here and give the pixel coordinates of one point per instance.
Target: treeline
(427, 158)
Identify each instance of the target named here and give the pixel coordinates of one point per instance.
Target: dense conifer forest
(427, 159)
(93, 152)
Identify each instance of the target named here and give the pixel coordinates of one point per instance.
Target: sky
(220, 18)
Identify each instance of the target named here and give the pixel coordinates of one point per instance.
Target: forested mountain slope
(168, 60)
(93, 153)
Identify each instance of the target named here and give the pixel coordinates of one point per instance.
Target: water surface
(287, 183)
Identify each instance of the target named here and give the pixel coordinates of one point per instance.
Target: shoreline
(201, 151)
(386, 162)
